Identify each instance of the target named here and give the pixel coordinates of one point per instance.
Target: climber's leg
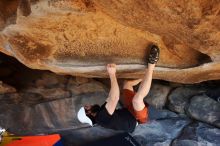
(140, 109)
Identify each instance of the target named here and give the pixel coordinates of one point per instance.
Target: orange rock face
(80, 37)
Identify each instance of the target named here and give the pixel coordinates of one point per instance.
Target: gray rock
(50, 80)
(157, 96)
(79, 86)
(48, 93)
(214, 93)
(204, 109)
(49, 102)
(11, 117)
(60, 114)
(46, 116)
(10, 99)
(179, 98)
(198, 134)
(185, 143)
(159, 132)
(155, 114)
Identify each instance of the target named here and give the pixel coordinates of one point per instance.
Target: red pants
(141, 116)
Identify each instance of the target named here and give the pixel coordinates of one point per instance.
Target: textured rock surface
(180, 97)
(80, 37)
(160, 132)
(157, 96)
(198, 134)
(156, 114)
(204, 109)
(45, 108)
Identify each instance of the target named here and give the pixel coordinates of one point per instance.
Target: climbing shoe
(154, 55)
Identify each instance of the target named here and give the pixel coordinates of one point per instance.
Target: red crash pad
(44, 140)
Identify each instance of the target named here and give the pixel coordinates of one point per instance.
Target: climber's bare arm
(113, 96)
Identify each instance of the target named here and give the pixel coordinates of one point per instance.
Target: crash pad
(44, 140)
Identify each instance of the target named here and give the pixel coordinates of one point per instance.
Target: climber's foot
(154, 55)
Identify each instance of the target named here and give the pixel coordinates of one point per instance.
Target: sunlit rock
(81, 37)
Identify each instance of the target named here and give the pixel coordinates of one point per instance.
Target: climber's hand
(111, 68)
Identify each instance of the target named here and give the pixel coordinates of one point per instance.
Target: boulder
(157, 114)
(10, 99)
(81, 37)
(50, 80)
(214, 93)
(198, 133)
(48, 94)
(81, 85)
(159, 132)
(204, 109)
(43, 87)
(40, 110)
(157, 95)
(179, 98)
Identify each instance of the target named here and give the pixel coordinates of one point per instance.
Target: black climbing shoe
(154, 55)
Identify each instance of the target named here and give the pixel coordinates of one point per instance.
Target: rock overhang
(81, 37)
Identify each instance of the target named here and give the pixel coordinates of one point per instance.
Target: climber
(134, 111)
